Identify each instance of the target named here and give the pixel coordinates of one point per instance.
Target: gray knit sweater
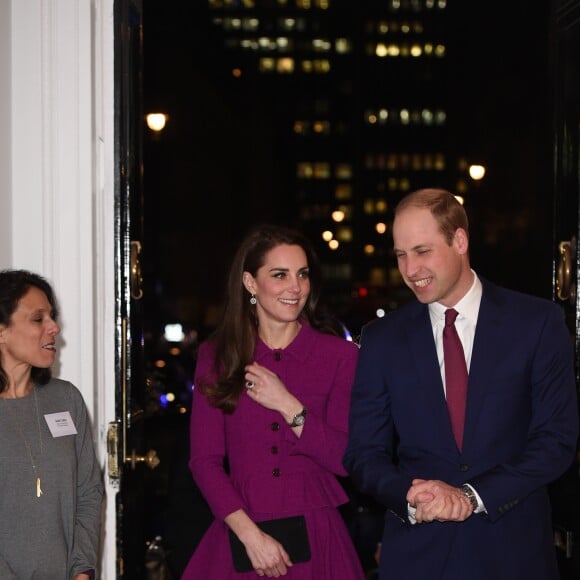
(56, 535)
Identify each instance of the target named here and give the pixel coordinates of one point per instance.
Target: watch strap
(468, 492)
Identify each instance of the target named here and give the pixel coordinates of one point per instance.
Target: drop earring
(253, 299)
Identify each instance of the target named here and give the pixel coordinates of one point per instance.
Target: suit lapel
(420, 336)
(486, 351)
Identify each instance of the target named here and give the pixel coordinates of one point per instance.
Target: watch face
(299, 420)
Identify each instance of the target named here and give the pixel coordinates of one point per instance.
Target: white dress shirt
(465, 323)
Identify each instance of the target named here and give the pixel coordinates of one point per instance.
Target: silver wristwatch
(299, 419)
(470, 495)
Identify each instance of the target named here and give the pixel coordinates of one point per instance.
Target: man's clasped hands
(436, 500)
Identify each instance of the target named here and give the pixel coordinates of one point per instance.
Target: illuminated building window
(440, 117)
(344, 234)
(307, 66)
(266, 43)
(371, 118)
(406, 117)
(345, 211)
(301, 127)
(417, 5)
(308, 4)
(321, 66)
(381, 206)
(381, 50)
(282, 43)
(321, 170)
(337, 271)
(416, 50)
(342, 45)
(440, 162)
(378, 276)
(373, 206)
(343, 191)
(267, 65)
(343, 171)
(248, 44)
(392, 184)
(321, 45)
(287, 23)
(304, 170)
(285, 65)
(321, 127)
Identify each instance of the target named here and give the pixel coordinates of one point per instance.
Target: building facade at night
(361, 109)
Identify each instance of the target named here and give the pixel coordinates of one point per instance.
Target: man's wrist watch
(299, 419)
(470, 495)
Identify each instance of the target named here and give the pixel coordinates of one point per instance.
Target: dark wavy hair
(235, 336)
(14, 284)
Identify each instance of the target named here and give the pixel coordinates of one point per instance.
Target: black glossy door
(128, 435)
(566, 49)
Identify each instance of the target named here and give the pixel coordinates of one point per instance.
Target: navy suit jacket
(521, 432)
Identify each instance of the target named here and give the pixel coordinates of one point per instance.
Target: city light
(156, 121)
(174, 333)
(476, 172)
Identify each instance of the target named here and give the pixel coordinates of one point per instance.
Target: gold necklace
(17, 423)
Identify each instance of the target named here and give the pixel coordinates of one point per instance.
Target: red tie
(455, 376)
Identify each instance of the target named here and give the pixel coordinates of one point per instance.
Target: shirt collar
(467, 307)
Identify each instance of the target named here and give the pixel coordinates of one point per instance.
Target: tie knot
(450, 316)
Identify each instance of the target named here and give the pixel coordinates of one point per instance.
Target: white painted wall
(56, 186)
(5, 133)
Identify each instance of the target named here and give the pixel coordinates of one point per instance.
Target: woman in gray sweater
(51, 488)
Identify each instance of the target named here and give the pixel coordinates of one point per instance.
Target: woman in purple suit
(269, 420)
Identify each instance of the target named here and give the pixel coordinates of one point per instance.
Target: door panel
(127, 434)
(566, 48)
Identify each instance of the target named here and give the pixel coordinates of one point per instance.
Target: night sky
(213, 172)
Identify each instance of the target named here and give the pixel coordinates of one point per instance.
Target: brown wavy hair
(235, 337)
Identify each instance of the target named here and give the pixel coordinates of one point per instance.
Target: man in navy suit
(476, 508)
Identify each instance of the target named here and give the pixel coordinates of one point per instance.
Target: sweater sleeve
(89, 492)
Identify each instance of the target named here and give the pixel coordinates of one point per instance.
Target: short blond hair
(447, 211)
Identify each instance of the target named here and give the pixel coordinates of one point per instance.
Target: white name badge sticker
(60, 424)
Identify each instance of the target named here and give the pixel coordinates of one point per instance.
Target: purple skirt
(333, 556)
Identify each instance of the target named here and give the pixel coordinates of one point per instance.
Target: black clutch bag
(290, 532)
